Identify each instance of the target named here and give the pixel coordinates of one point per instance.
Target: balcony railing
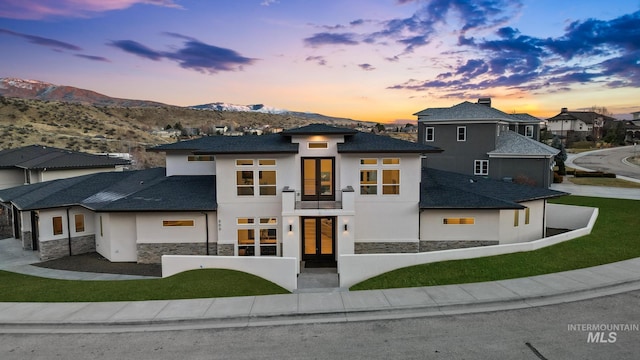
(291, 199)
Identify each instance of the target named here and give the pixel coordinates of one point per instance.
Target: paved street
(534, 333)
(610, 160)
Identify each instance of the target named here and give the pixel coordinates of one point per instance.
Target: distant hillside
(39, 90)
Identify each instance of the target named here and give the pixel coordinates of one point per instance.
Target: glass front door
(318, 179)
(318, 241)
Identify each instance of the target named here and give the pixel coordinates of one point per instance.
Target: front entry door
(318, 242)
(317, 179)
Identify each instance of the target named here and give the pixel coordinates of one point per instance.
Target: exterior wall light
(346, 227)
(290, 227)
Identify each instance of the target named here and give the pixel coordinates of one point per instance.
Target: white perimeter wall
(280, 270)
(357, 268)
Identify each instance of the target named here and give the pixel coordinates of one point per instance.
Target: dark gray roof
(248, 144)
(470, 112)
(141, 190)
(362, 142)
(588, 117)
(41, 157)
(512, 144)
(354, 142)
(465, 111)
(319, 129)
(447, 190)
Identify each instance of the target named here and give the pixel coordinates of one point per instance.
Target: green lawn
(205, 283)
(615, 237)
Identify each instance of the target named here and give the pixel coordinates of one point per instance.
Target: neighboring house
(311, 193)
(480, 140)
(579, 125)
(36, 163)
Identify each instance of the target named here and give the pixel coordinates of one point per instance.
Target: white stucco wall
(485, 226)
(45, 224)
(11, 177)
(149, 228)
(102, 225)
(178, 164)
(116, 240)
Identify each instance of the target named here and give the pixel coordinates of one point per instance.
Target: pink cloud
(40, 9)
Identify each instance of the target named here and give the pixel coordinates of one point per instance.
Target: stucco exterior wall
(432, 227)
(64, 174)
(536, 171)
(11, 177)
(179, 164)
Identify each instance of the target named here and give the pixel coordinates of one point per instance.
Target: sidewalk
(307, 306)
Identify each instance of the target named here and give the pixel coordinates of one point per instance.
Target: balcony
(291, 201)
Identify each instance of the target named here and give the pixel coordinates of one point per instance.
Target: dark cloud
(134, 47)
(93, 58)
(366, 67)
(205, 58)
(598, 50)
(326, 38)
(193, 55)
(320, 60)
(37, 40)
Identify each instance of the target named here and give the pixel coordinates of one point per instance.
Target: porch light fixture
(346, 227)
(290, 227)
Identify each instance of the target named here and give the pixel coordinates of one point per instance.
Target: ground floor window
(57, 225)
(79, 220)
(481, 167)
(257, 237)
(459, 221)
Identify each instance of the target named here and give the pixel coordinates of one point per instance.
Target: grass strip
(202, 283)
(615, 237)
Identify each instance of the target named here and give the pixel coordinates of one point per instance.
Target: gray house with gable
(480, 140)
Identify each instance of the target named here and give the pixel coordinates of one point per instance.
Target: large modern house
(480, 140)
(310, 193)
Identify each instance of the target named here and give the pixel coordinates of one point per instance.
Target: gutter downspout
(206, 226)
(69, 231)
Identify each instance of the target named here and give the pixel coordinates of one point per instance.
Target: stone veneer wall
(55, 249)
(385, 247)
(453, 244)
(151, 253)
(226, 249)
(27, 244)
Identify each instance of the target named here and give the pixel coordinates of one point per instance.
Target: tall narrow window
(429, 134)
(516, 218)
(79, 219)
(528, 131)
(526, 216)
(57, 225)
(246, 242)
(368, 182)
(462, 133)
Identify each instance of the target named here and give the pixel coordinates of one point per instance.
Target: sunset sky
(369, 60)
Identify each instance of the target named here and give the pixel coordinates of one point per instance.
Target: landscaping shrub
(600, 174)
(557, 179)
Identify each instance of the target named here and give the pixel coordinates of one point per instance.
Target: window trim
(429, 134)
(257, 226)
(528, 131)
(82, 227)
(315, 145)
(463, 133)
(57, 226)
(484, 167)
(378, 167)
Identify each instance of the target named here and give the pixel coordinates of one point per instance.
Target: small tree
(561, 157)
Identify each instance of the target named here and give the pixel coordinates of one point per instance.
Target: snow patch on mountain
(221, 106)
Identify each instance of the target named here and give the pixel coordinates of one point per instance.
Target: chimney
(563, 110)
(485, 101)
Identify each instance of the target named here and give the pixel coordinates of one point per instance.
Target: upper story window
(246, 178)
(481, 167)
(462, 133)
(200, 158)
(370, 182)
(318, 145)
(429, 134)
(528, 131)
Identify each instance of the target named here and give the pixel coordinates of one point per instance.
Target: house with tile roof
(311, 193)
(483, 141)
(579, 125)
(36, 163)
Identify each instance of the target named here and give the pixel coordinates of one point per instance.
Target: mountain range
(39, 90)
